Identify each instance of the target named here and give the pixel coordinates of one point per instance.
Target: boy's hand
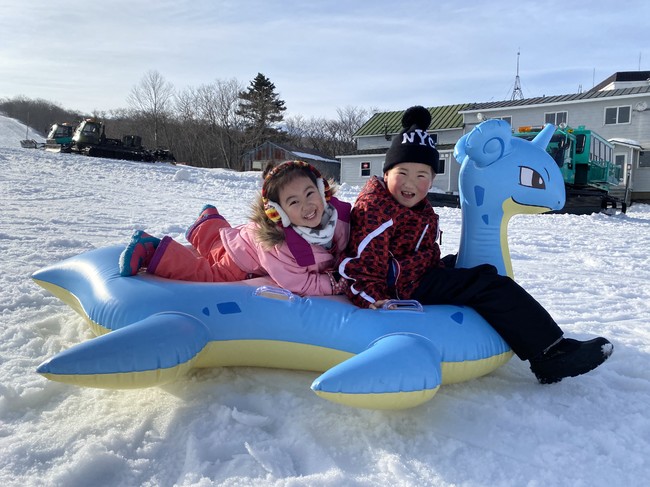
(378, 304)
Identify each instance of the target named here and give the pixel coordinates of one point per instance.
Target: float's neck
(486, 233)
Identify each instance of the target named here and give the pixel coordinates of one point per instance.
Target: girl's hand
(339, 284)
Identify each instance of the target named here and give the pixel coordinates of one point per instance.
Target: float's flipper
(153, 351)
(396, 372)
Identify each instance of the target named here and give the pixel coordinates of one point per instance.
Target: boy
(393, 254)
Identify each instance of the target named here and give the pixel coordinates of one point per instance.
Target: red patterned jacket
(390, 246)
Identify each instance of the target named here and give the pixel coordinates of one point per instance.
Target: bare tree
(350, 119)
(38, 114)
(218, 104)
(331, 137)
(209, 130)
(152, 98)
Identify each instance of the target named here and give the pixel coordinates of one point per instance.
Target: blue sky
(321, 55)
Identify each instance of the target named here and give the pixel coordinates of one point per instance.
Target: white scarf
(323, 233)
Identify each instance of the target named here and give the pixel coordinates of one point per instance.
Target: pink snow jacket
(294, 264)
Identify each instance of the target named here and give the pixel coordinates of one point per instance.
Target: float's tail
(154, 351)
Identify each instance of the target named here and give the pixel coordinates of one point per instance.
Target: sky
(321, 55)
(244, 426)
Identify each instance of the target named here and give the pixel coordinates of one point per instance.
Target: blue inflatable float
(155, 330)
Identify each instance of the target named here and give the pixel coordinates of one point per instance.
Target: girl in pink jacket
(296, 235)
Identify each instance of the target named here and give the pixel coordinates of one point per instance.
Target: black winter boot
(570, 358)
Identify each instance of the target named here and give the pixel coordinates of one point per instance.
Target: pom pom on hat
(413, 144)
(418, 116)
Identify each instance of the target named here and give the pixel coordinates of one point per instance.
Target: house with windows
(274, 153)
(618, 109)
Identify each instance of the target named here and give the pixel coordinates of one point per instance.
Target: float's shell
(160, 329)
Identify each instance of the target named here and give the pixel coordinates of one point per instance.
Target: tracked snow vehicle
(585, 159)
(59, 139)
(90, 139)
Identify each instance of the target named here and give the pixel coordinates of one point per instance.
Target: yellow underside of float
(125, 380)
(71, 300)
(298, 356)
(394, 400)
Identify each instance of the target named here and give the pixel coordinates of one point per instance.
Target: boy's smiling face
(409, 182)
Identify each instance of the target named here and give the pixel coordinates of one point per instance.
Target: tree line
(212, 125)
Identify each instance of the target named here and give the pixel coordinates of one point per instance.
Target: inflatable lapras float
(154, 330)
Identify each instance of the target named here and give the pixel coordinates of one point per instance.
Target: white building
(617, 108)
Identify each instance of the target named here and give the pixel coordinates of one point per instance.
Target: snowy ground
(261, 427)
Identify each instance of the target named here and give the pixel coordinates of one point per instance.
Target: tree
(38, 114)
(220, 107)
(331, 137)
(209, 130)
(261, 108)
(152, 99)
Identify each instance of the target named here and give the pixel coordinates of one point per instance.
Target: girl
(296, 235)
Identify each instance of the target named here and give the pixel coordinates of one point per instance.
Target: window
(600, 151)
(620, 161)
(365, 169)
(441, 165)
(556, 118)
(617, 115)
(644, 159)
(507, 119)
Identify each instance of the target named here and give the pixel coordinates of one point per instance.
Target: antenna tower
(517, 93)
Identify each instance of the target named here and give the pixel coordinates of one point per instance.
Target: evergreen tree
(261, 107)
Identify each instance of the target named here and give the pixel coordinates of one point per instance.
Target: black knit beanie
(413, 144)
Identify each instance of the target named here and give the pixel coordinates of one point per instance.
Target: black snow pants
(520, 320)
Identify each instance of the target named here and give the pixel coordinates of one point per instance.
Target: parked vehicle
(89, 138)
(591, 178)
(59, 139)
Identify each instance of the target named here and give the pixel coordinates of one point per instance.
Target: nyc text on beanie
(413, 144)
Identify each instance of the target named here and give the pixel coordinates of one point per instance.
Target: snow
(12, 132)
(251, 426)
(630, 142)
(314, 157)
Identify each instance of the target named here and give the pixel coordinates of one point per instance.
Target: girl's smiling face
(302, 202)
(409, 182)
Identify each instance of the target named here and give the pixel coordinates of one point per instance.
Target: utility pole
(517, 93)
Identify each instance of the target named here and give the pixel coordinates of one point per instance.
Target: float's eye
(531, 178)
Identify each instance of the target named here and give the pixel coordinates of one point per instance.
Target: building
(374, 138)
(275, 153)
(618, 108)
